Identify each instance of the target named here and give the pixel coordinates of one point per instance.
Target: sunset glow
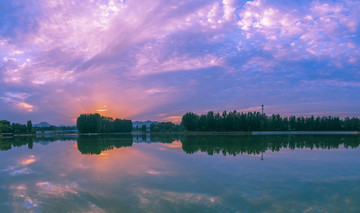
(158, 59)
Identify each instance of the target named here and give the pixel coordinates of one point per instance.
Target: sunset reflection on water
(195, 173)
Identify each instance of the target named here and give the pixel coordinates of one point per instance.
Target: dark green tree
(166, 127)
(189, 121)
(89, 123)
(256, 121)
(5, 126)
(95, 123)
(29, 125)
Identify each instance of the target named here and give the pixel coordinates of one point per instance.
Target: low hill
(147, 123)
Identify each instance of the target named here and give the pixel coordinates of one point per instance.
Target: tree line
(16, 128)
(166, 127)
(95, 123)
(28, 128)
(142, 128)
(256, 121)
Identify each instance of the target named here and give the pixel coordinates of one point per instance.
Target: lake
(180, 173)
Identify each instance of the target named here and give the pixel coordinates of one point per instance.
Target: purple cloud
(160, 59)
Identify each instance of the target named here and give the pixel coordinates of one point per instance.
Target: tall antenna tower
(262, 109)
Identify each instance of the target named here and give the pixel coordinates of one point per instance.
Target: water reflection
(220, 144)
(99, 143)
(9, 143)
(254, 145)
(161, 173)
(210, 144)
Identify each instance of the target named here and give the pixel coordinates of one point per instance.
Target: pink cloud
(124, 54)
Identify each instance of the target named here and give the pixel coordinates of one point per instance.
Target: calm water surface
(167, 173)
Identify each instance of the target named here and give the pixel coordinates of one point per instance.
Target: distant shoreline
(305, 133)
(278, 133)
(203, 133)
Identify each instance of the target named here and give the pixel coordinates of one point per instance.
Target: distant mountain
(42, 124)
(147, 123)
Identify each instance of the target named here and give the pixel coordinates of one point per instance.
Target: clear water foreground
(178, 173)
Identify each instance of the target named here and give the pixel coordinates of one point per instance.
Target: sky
(158, 59)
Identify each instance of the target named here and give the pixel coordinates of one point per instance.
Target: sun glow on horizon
(173, 119)
(101, 110)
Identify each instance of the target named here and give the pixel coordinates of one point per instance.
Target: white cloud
(291, 34)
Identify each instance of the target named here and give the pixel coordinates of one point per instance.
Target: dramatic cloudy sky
(157, 59)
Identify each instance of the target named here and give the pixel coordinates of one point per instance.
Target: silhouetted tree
(122, 125)
(19, 128)
(94, 123)
(89, 123)
(5, 126)
(256, 121)
(29, 125)
(166, 127)
(189, 121)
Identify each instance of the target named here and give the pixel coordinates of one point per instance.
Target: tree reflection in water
(99, 143)
(9, 143)
(254, 145)
(210, 144)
